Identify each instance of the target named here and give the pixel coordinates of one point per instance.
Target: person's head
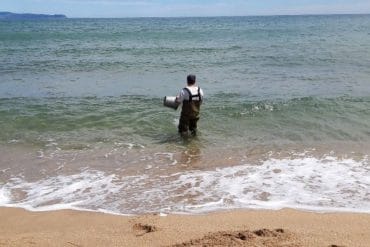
(191, 79)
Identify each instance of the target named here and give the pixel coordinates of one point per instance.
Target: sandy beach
(286, 227)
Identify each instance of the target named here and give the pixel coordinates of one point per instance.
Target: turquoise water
(233, 121)
(83, 97)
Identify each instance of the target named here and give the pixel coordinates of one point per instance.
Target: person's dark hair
(191, 79)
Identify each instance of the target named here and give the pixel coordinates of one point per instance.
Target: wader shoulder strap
(193, 96)
(189, 93)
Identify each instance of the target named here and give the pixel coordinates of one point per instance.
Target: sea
(285, 121)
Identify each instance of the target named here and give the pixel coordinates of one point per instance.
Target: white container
(170, 101)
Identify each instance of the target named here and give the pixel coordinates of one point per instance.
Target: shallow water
(285, 122)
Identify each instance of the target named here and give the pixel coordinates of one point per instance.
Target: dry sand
(235, 228)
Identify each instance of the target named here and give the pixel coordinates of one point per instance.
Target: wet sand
(234, 228)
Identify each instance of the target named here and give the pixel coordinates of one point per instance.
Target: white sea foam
(315, 184)
(88, 188)
(4, 196)
(13, 141)
(326, 184)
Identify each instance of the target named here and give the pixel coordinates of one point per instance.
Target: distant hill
(27, 16)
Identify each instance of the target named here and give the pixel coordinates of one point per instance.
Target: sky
(184, 8)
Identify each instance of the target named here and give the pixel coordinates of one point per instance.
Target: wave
(323, 184)
(299, 120)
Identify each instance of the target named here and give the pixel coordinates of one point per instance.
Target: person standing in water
(191, 98)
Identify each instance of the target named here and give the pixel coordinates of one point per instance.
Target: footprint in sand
(268, 233)
(262, 237)
(141, 229)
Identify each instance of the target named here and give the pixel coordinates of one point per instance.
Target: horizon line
(215, 16)
(198, 16)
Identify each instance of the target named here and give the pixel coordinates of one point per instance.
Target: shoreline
(286, 227)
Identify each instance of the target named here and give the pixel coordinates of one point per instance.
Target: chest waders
(190, 112)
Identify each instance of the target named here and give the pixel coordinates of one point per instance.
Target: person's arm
(180, 96)
(201, 95)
